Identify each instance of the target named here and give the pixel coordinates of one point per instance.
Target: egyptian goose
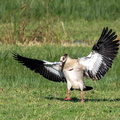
(72, 71)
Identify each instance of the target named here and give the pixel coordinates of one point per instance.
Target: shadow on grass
(98, 100)
(74, 99)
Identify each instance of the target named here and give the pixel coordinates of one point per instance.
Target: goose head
(63, 59)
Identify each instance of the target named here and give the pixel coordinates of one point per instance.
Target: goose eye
(63, 58)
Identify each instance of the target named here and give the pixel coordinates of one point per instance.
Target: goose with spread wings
(72, 71)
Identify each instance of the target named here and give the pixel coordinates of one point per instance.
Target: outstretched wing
(99, 61)
(49, 70)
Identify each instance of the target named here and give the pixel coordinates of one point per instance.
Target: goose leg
(68, 95)
(82, 96)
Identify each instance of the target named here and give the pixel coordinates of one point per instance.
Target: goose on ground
(72, 71)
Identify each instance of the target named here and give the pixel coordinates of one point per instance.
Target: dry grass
(28, 31)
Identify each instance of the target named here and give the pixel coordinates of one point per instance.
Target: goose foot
(67, 99)
(82, 101)
(68, 96)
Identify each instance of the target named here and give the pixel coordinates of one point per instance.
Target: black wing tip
(107, 32)
(107, 37)
(15, 55)
(107, 29)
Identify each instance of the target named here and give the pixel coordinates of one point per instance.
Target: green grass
(65, 9)
(25, 95)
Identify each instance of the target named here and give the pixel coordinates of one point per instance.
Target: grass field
(26, 95)
(65, 9)
(56, 21)
(47, 29)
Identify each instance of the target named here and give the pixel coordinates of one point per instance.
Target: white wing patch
(92, 62)
(53, 67)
